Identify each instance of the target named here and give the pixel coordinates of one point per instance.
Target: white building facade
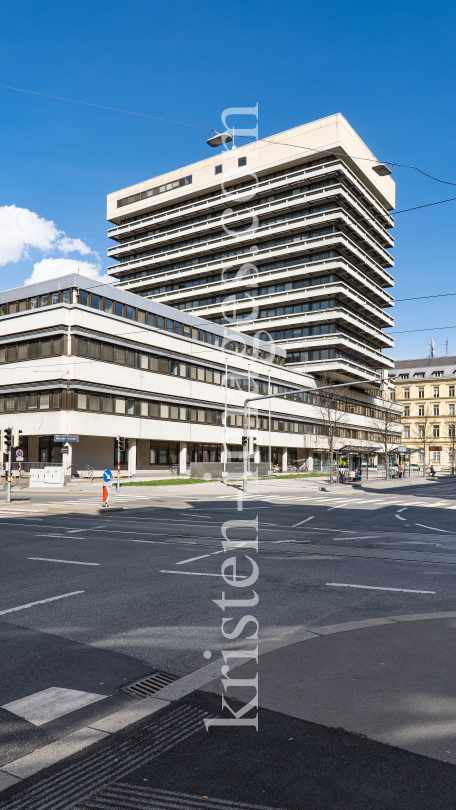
(286, 238)
(97, 361)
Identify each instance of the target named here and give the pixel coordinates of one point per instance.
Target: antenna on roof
(431, 347)
(446, 347)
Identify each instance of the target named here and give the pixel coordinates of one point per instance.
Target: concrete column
(182, 458)
(67, 461)
(256, 456)
(284, 459)
(131, 456)
(310, 463)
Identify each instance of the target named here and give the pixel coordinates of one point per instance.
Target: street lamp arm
(277, 396)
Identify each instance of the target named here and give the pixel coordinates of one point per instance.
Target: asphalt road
(137, 587)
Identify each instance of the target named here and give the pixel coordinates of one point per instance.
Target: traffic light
(16, 438)
(8, 439)
(245, 441)
(252, 444)
(121, 440)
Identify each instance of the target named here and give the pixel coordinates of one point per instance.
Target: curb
(13, 773)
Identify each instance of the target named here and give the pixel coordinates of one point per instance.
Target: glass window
(144, 409)
(159, 322)
(163, 365)
(120, 356)
(242, 161)
(119, 309)
(174, 368)
(10, 404)
(436, 431)
(96, 301)
(82, 347)
(144, 361)
(44, 300)
(21, 400)
(33, 303)
(183, 414)
(218, 169)
(45, 348)
(163, 456)
(130, 314)
(22, 351)
(436, 410)
(106, 404)
(82, 402)
(56, 345)
(108, 305)
(130, 407)
(150, 319)
(107, 353)
(120, 405)
(94, 402)
(169, 325)
(55, 297)
(200, 374)
(83, 298)
(94, 350)
(174, 412)
(33, 402)
(164, 411)
(451, 390)
(435, 391)
(406, 393)
(154, 410)
(131, 358)
(153, 455)
(420, 393)
(201, 416)
(66, 296)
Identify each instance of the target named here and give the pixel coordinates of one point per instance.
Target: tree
(384, 425)
(333, 408)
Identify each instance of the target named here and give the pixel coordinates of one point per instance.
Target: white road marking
(42, 707)
(40, 602)
(198, 574)
(206, 517)
(375, 588)
(73, 531)
(303, 521)
(433, 528)
(70, 562)
(399, 517)
(403, 509)
(192, 559)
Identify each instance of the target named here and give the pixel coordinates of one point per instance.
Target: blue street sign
(65, 438)
(107, 475)
(19, 454)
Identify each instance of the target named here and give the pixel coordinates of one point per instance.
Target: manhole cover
(147, 686)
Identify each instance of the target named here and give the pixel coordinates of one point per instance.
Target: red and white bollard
(106, 489)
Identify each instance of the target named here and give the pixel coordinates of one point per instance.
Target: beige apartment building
(426, 388)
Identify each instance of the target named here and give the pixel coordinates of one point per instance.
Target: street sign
(435, 449)
(107, 475)
(19, 454)
(63, 438)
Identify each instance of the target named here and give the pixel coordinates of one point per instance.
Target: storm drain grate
(152, 683)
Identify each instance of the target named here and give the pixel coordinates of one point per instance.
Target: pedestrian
(432, 471)
(358, 474)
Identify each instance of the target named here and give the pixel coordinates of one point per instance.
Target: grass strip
(168, 482)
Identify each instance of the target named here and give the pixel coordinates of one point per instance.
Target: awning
(358, 450)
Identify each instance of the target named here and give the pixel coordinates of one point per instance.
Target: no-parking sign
(19, 455)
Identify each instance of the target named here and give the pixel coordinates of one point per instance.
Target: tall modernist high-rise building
(286, 238)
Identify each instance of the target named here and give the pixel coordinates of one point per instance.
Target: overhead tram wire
(197, 126)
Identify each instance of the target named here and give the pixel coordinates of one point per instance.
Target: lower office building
(96, 362)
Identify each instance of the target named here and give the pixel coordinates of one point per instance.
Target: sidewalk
(356, 716)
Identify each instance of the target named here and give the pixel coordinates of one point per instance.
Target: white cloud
(21, 229)
(52, 268)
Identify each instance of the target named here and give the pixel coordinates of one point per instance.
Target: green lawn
(303, 475)
(167, 482)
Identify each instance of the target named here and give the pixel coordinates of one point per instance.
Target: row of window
(437, 430)
(242, 161)
(44, 401)
(211, 194)
(167, 324)
(254, 292)
(32, 350)
(95, 350)
(225, 254)
(206, 219)
(325, 354)
(435, 410)
(435, 392)
(151, 192)
(277, 312)
(36, 302)
(420, 375)
(216, 235)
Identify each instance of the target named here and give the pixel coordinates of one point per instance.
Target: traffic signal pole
(118, 465)
(8, 487)
(245, 424)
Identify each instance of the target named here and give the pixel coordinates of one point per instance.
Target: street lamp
(245, 423)
(220, 138)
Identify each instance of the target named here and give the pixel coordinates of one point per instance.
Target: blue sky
(389, 67)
